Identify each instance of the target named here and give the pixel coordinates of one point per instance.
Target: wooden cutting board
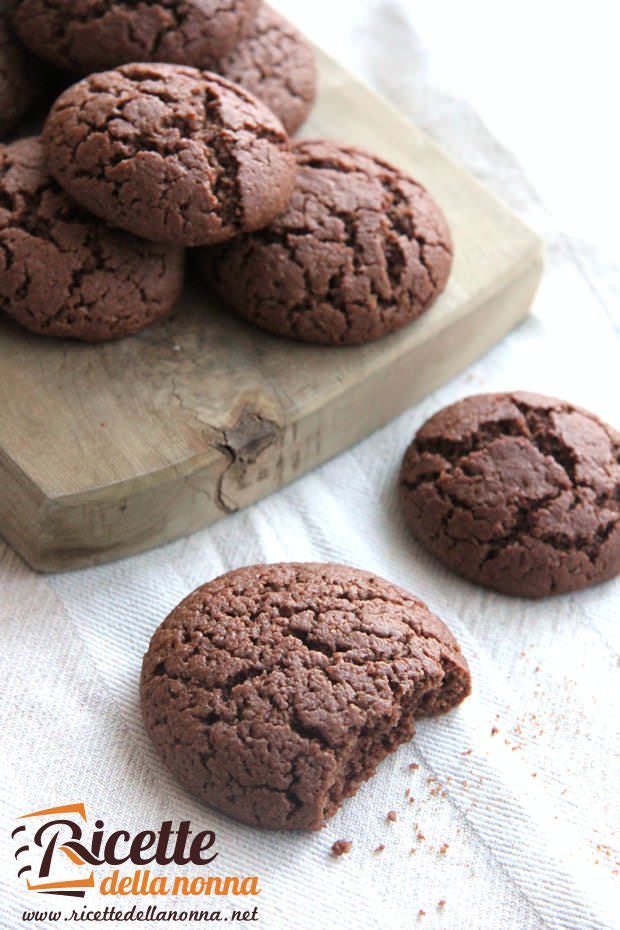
(109, 450)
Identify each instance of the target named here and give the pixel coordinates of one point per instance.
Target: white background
(529, 813)
(544, 75)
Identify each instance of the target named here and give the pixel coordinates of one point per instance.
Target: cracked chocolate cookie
(517, 492)
(20, 79)
(94, 35)
(170, 153)
(65, 273)
(276, 64)
(274, 691)
(362, 250)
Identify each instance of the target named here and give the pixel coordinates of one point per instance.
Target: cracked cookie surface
(274, 691)
(517, 492)
(20, 79)
(361, 251)
(63, 272)
(94, 35)
(170, 153)
(276, 64)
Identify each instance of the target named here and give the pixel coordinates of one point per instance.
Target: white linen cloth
(520, 833)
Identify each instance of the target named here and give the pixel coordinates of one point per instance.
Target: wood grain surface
(108, 450)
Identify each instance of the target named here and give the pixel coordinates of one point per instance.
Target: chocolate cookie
(361, 251)
(517, 492)
(276, 64)
(170, 153)
(65, 273)
(93, 35)
(20, 79)
(274, 691)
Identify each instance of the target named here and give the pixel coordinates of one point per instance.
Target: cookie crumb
(443, 849)
(392, 816)
(413, 766)
(467, 752)
(341, 847)
(421, 914)
(379, 848)
(412, 851)
(441, 904)
(494, 731)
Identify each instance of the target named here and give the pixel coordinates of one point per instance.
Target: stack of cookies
(174, 136)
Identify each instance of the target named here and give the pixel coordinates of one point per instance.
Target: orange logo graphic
(57, 862)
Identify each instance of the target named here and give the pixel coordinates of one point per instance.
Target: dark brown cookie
(93, 35)
(276, 64)
(517, 492)
(361, 251)
(20, 79)
(65, 273)
(170, 153)
(274, 691)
